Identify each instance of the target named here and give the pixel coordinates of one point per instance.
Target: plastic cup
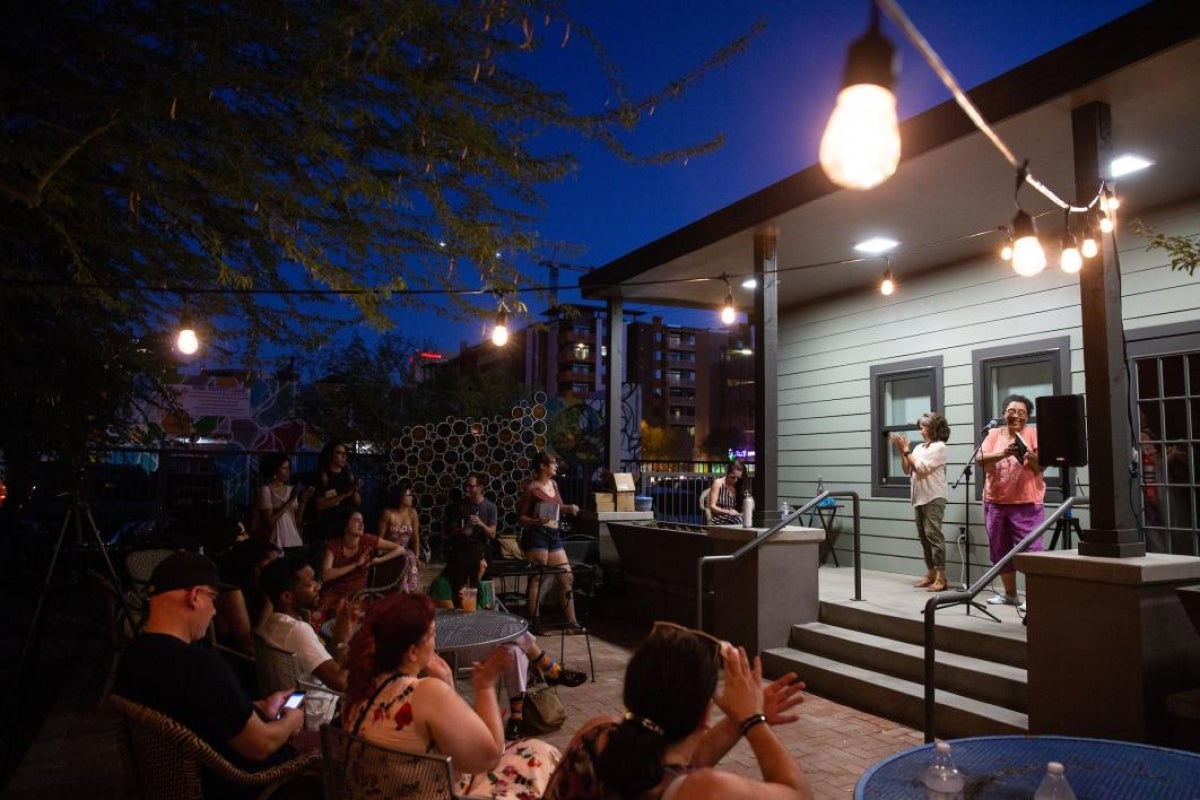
(469, 597)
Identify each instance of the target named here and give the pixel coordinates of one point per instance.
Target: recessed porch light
(1127, 163)
(876, 245)
(749, 283)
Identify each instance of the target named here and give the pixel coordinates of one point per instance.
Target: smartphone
(293, 701)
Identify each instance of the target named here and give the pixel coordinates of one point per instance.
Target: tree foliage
(1183, 252)
(223, 156)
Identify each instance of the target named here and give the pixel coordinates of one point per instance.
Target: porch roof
(951, 181)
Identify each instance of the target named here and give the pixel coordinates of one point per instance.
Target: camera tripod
(76, 515)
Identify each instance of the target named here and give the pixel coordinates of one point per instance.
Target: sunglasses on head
(663, 625)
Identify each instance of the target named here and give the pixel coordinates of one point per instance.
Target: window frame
(882, 484)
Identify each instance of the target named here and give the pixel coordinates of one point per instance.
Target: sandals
(921, 584)
(937, 586)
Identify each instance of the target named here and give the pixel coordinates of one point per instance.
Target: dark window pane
(1147, 378)
(1194, 373)
(1175, 423)
(1172, 371)
(1148, 420)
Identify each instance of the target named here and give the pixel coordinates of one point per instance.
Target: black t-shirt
(195, 687)
(330, 520)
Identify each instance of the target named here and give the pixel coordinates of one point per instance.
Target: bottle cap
(1055, 768)
(944, 747)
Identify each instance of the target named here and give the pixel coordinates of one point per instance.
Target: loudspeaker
(1061, 431)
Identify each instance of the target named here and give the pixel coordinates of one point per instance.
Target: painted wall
(827, 349)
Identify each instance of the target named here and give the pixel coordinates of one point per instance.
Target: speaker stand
(1067, 522)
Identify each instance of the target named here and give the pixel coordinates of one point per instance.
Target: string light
(861, 144)
(1106, 223)
(887, 286)
(1070, 261)
(186, 341)
(1006, 249)
(500, 330)
(1089, 247)
(1028, 256)
(728, 311)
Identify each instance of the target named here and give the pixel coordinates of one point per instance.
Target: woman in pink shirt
(1014, 489)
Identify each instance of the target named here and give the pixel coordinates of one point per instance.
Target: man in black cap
(162, 669)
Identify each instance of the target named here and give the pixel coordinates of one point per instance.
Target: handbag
(543, 712)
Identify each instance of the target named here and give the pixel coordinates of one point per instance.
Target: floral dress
(386, 718)
(409, 572)
(576, 779)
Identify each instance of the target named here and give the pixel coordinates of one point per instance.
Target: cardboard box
(624, 488)
(604, 501)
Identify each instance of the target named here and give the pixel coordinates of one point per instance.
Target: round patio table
(1010, 767)
(459, 630)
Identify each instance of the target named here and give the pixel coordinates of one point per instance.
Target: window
(900, 393)
(1032, 369)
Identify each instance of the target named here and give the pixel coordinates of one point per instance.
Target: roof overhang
(951, 183)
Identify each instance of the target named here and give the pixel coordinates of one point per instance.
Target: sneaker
(515, 729)
(1003, 600)
(568, 677)
(1024, 607)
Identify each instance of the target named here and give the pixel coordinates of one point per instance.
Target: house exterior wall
(827, 349)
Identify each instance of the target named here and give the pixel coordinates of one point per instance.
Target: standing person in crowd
(925, 466)
(242, 609)
(338, 492)
(663, 745)
(540, 511)
(465, 568)
(478, 516)
(725, 495)
(1014, 489)
(403, 695)
(400, 523)
(347, 560)
(193, 685)
(280, 506)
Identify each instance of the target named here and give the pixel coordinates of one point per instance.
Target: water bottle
(942, 779)
(747, 511)
(784, 509)
(1054, 786)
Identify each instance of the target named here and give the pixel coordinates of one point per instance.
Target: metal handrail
(753, 544)
(857, 541)
(959, 596)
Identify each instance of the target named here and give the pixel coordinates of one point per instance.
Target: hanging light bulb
(1089, 248)
(186, 340)
(728, 312)
(500, 331)
(861, 144)
(1028, 256)
(1070, 261)
(1006, 248)
(1106, 223)
(887, 286)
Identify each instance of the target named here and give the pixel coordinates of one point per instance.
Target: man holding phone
(195, 686)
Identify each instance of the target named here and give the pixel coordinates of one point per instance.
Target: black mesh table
(1005, 767)
(459, 630)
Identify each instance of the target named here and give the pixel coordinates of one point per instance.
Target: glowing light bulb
(1106, 224)
(861, 144)
(1006, 250)
(1089, 248)
(500, 331)
(187, 342)
(1028, 256)
(728, 314)
(1071, 261)
(887, 286)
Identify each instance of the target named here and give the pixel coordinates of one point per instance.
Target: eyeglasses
(663, 625)
(1017, 412)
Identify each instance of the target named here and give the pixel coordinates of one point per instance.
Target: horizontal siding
(827, 349)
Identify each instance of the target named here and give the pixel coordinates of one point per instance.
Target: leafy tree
(666, 444)
(1183, 252)
(223, 156)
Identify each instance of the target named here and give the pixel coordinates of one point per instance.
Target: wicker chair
(278, 671)
(355, 769)
(167, 760)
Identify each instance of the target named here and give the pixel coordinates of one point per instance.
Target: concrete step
(894, 698)
(1001, 644)
(999, 684)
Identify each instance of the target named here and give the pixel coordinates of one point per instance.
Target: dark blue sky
(771, 102)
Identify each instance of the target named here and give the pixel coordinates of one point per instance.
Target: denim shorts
(541, 538)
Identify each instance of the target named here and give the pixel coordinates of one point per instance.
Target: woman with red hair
(401, 694)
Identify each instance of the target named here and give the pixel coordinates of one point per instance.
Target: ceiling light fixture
(876, 245)
(1127, 164)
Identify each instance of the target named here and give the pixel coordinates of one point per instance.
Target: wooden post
(766, 382)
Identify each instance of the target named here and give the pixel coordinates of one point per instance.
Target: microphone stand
(964, 478)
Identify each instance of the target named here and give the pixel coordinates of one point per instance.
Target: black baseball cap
(183, 570)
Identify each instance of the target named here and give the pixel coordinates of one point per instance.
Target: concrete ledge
(1148, 569)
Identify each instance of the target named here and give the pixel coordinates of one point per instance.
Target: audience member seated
(348, 558)
(402, 695)
(293, 588)
(663, 746)
(465, 567)
(161, 669)
(241, 610)
(400, 523)
(726, 494)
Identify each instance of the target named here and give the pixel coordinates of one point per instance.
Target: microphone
(995, 423)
